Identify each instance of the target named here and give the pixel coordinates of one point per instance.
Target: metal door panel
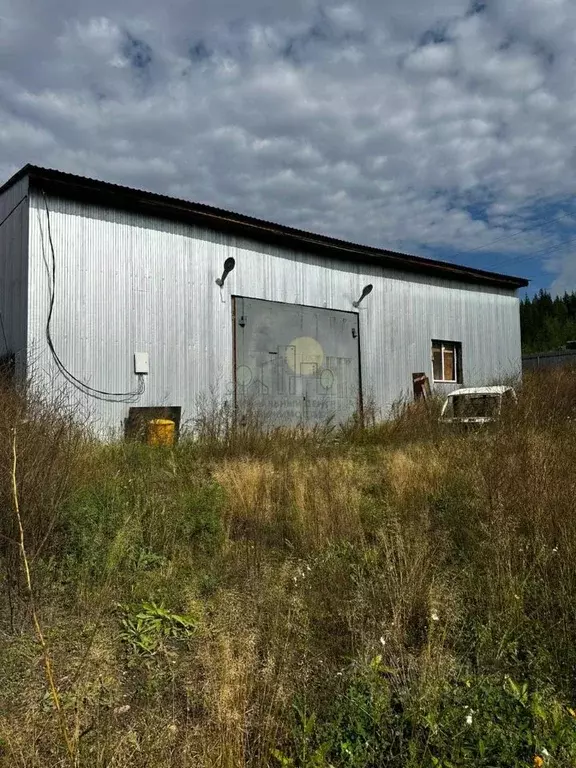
(296, 364)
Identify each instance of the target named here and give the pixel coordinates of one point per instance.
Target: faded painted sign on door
(296, 364)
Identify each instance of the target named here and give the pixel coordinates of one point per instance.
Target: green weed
(148, 627)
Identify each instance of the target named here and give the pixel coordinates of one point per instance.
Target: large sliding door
(296, 364)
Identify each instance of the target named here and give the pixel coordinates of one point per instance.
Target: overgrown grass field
(399, 595)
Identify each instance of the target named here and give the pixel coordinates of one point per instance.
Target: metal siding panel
(128, 283)
(296, 364)
(13, 272)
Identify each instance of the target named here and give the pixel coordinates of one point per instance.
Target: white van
(476, 405)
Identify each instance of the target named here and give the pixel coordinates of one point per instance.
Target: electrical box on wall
(141, 362)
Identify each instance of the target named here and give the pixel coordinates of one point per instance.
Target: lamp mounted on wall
(367, 289)
(229, 265)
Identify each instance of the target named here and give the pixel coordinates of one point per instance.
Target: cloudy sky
(440, 127)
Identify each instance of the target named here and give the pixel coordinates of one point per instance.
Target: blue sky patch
(137, 51)
(199, 51)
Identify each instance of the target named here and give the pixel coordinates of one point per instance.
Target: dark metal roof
(113, 195)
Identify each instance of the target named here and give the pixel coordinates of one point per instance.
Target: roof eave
(126, 198)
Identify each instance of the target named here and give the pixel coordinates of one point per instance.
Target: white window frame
(455, 346)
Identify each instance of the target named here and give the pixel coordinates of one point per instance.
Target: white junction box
(141, 362)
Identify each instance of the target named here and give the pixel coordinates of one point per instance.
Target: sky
(442, 128)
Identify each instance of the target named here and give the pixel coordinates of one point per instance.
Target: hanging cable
(511, 235)
(524, 258)
(519, 258)
(86, 389)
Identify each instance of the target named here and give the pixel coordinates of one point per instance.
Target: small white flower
(468, 719)
(555, 549)
(382, 641)
(434, 616)
(545, 752)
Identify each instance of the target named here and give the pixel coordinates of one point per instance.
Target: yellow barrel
(161, 432)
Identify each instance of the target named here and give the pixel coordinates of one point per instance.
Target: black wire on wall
(86, 389)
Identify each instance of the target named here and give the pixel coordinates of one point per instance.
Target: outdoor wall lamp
(367, 289)
(229, 265)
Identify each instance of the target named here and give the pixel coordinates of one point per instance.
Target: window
(447, 361)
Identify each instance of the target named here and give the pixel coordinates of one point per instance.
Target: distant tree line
(547, 323)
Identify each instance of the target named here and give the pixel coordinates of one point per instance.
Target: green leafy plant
(147, 627)
(362, 726)
(309, 754)
(480, 722)
(148, 561)
(488, 721)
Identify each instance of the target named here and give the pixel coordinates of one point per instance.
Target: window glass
(449, 363)
(437, 362)
(446, 363)
(476, 405)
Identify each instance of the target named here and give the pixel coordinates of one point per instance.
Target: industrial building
(131, 303)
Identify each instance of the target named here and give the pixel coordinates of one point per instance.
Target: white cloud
(432, 59)
(408, 124)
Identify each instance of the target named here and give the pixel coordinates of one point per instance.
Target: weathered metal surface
(296, 364)
(13, 273)
(130, 283)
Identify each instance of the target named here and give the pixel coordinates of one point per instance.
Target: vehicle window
(475, 405)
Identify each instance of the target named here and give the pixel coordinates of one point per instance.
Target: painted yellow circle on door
(305, 356)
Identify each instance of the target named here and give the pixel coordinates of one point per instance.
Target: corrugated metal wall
(127, 283)
(13, 272)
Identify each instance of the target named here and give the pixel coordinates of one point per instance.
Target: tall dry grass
(323, 580)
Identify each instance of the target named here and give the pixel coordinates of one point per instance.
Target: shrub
(371, 721)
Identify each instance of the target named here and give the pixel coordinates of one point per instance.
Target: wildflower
(434, 616)
(468, 719)
(555, 549)
(538, 761)
(382, 641)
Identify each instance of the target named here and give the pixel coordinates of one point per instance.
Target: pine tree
(547, 323)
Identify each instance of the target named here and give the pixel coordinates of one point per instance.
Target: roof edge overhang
(69, 185)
